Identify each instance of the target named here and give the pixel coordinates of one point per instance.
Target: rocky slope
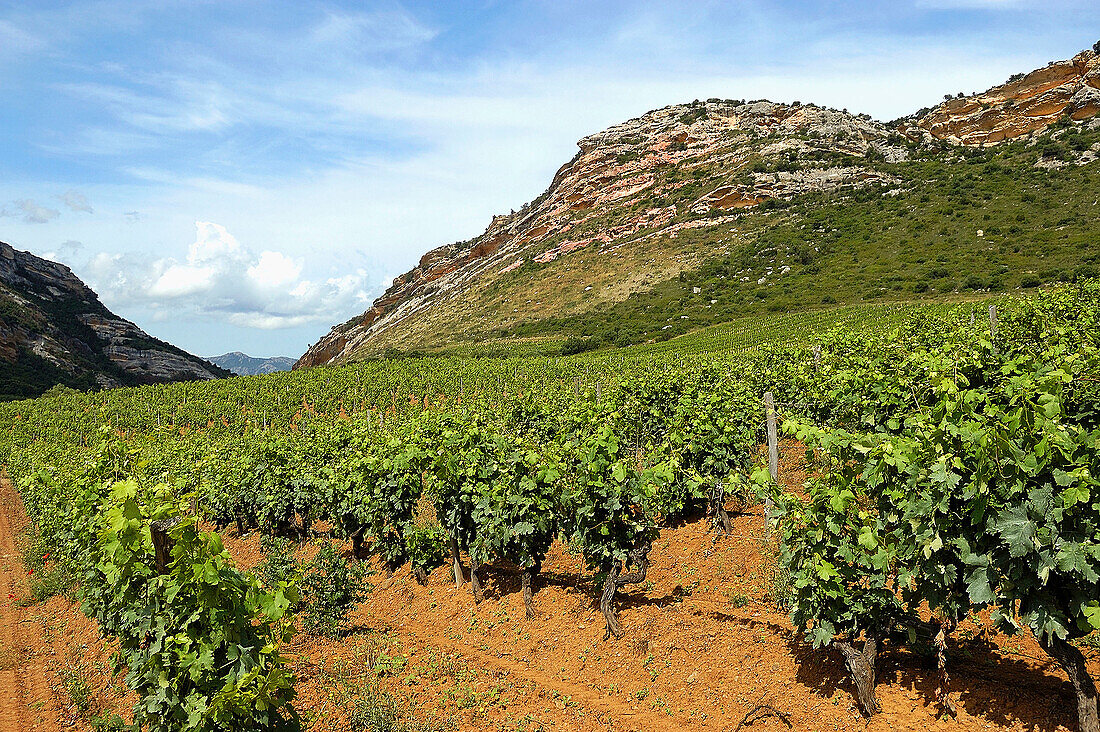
(1024, 104)
(244, 365)
(714, 158)
(54, 329)
(654, 197)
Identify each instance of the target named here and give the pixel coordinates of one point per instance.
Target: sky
(245, 174)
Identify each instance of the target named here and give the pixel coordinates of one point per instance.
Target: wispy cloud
(173, 104)
(368, 32)
(76, 201)
(29, 211)
(16, 41)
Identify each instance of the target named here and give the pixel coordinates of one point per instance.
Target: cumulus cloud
(221, 279)
(29, 211)
(76, 202)
(274, 270)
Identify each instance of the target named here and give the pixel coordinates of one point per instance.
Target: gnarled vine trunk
(947, 626)
(358, 546)
(527, 594)
(475, 586)
(1071, 659)
(528, 576)
(716, 510)
(456, 562)
(162, 543)
(637, 559)
(861, 664)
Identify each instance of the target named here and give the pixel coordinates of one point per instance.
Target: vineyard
(947, 474)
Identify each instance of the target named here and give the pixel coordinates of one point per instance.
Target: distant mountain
(704, 212)
(54, 330)
(245, 365)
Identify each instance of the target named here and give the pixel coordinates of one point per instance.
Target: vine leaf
(979, 587)
(1018, 531)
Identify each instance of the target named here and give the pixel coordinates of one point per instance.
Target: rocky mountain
(647, 205)
(54, 330)
(244, 365)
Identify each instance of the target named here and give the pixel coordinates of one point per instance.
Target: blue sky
(241, 175)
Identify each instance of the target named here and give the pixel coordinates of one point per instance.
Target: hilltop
(54, 330)
(700, 213)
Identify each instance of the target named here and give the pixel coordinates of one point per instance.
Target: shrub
(198, 637)
(330, 589)
(427, 546)
(574, 345)
(279, 565)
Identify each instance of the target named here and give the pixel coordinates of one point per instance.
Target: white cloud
(29, 211)
(181, 280)
(214, 244)
(222, 280)
(274, 270)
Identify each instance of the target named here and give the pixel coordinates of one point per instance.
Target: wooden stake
(773, 446)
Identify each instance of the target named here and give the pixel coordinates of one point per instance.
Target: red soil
(704, 645)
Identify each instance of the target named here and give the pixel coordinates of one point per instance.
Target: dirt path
(26, 700)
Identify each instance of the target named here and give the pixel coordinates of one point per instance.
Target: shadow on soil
(1002, 690)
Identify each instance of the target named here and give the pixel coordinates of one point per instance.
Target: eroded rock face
(698, 165)
(48, 311)
(1019, 107)
(613, 177)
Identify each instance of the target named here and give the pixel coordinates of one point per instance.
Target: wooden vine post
(993, 326)
(773, 447)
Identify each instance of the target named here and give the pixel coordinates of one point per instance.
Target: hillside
(704, 212)
(54, 330)
(242, 364)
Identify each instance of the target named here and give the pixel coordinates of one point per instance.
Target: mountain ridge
(242, 364)
(674, 173)
(55, 330)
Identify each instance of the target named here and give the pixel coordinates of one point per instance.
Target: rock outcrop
(49, 319)
(1023, 105)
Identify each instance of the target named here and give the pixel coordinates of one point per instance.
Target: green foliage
(331, 588)
(280, 567)
(427, 547)
(607, 497)
(712, 438)
(843, 562)
(973, 490)
(952, 469)
(516, 516)
(386, 482)
(199, 642)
